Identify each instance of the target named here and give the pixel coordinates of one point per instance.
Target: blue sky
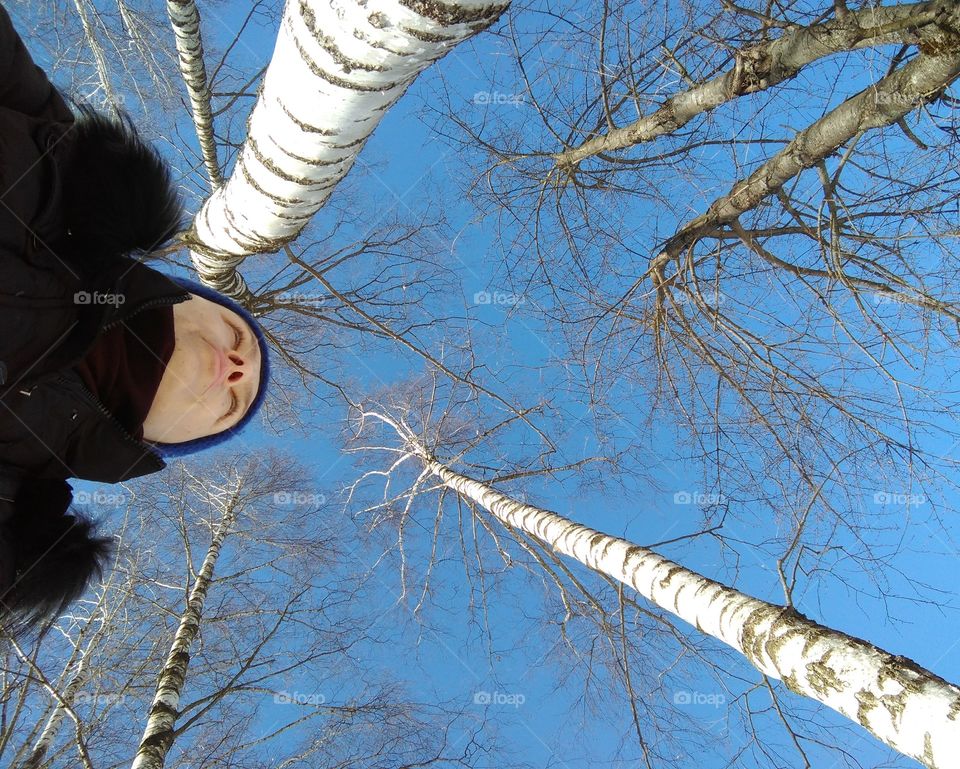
(905, 604)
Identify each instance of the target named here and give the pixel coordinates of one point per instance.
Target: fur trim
(118, 193)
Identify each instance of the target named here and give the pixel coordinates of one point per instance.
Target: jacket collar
(121, 290)
(110, 455)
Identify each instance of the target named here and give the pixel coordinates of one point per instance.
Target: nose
(236, 367)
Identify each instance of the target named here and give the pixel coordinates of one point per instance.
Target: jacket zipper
(113, 420)
(150, 303)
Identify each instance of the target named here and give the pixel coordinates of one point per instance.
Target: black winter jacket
(53, 306)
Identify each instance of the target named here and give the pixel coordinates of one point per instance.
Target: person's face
(212, 377)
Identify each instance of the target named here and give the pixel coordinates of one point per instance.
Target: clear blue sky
(534, 688)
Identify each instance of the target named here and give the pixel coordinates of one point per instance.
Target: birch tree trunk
(185, 19)
(158, 734)
(336, 70)
(878, 105)
(76, 673)
(902, 704)
(49, 733)
(771, 63)
(98, 55)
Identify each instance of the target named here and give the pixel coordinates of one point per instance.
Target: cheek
(208, 409)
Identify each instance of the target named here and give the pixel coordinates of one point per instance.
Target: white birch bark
(97, 50)
(76, 671)
(337, 68)
(45, 740)
(876, 106)
(907, 707)
(768, 64)
(158, 734)
(185, 19)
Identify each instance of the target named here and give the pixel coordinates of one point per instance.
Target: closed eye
(239, 337)
(233, 407)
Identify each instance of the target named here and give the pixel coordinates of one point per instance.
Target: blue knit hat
(168, 450)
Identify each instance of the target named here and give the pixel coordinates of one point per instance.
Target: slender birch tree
(679, 89)
(281, 644)
(746, 213)
(902, 704)
(109, 54)
(64, 690)
(158, 735)
(185, 19)
(353, 61)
